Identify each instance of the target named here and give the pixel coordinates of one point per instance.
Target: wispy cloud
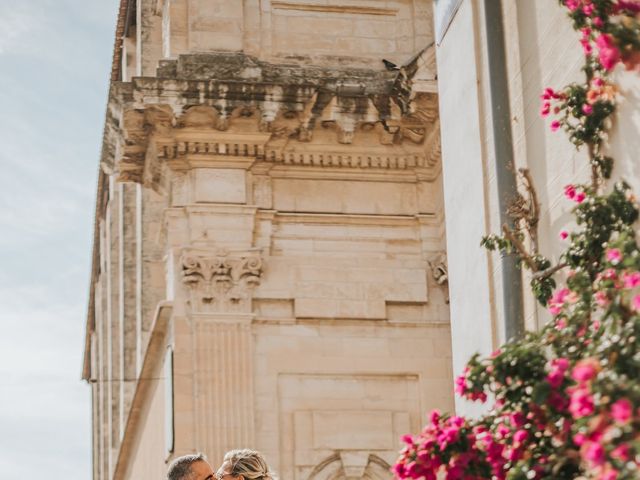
(17, 21)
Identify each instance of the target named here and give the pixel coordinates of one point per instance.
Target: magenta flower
(601, 298)
(555, 125)
(609, 54)
(585, 370)
(609, 474)
(570, 191)
(557, 300)
(520, 436)
(614, 255)
(597, 22)
(546, 108)
(563, 234)
(622, 410)
(621, 452)
(587, 109)
(572, 4)
(594, 453)
(631, 279)
(580, 196)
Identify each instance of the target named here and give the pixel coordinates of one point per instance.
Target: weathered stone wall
(326, 31)
(288, 217)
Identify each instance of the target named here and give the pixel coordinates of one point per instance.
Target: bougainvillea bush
(565, 400)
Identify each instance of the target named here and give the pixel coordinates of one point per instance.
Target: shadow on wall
(625, 135)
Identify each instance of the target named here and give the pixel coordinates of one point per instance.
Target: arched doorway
(341, 466)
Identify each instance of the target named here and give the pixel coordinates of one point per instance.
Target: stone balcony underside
(230, 106)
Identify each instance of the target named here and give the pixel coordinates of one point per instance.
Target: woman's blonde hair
(250, 464)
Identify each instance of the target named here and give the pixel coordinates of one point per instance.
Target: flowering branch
(566, 399)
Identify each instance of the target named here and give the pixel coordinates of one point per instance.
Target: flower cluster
(610, 31)
(565, 400)
(581, 110)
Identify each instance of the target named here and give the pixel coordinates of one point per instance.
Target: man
(190, 467)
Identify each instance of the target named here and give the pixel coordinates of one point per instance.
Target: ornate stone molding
(220, 281)
(359, 121)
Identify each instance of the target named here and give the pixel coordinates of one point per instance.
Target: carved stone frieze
(221, 281)
(357, 121)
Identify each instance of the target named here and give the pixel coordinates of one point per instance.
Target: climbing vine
(565, 400)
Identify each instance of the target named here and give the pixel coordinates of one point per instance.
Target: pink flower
(587, 109)
(517, 419)
(594, 453)
(621, 452)
(572, 4)
(632, 6)
(614, 255)
(434, 417)
(502, 430)
(609, 54)
(555, 125)
(570, 191)
(585, 370)
(597, 22)
(520, 436)
(555, 378)
(622, 410)
(580, 196)
(563, 234)
(546, 108)
(461, 384)
(631, 279)
(609, 474)
(579, 439)
(635, 303)
(557, 300)
(561, 364)
(601, 299)
(588, 9)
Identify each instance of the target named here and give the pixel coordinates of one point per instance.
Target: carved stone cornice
(221, 281)
(357, 122)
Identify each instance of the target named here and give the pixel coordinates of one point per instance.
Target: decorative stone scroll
(222, 281)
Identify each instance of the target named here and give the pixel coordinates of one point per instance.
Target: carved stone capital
(220, 281)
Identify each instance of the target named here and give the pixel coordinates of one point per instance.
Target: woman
(247, 464)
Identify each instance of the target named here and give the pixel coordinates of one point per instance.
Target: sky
(55, 58)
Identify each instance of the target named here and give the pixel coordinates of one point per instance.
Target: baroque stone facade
(269, 267)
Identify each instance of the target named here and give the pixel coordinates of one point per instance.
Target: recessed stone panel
(352, 430)
(219, 185)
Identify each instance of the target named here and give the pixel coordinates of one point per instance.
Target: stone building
(269, 264)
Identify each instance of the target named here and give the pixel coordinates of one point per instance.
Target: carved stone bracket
(440, 271)
(221, 281)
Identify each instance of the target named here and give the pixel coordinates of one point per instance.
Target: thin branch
(547, 272)
(533, 214)
(526, 257)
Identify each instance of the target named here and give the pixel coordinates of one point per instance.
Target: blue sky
(55, 58)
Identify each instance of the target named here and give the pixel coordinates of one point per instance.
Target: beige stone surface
(291, 216)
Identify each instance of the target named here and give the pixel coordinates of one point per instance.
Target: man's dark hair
(180, 468)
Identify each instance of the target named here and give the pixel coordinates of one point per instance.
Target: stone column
(214, 357)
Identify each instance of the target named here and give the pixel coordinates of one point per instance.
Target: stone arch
(338, 467)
